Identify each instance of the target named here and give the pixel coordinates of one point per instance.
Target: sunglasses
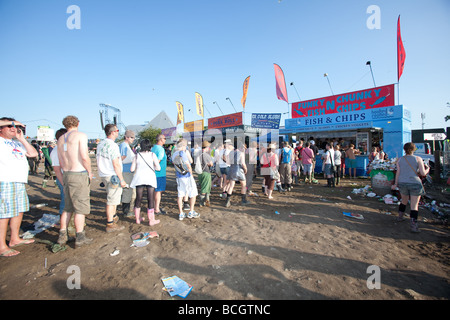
(19, 128)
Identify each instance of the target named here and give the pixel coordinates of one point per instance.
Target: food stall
(364, 118)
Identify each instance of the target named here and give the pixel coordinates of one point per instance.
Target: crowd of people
(127, 175)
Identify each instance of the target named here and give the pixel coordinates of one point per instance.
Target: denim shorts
(161, 184)
(411, 189)
(328, 170)
(225, 171)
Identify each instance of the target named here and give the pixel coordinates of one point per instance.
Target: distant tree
(150, 133)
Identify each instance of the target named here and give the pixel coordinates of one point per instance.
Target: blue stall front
(389, 127)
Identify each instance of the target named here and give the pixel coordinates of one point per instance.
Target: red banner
(229, 120)
(401, 54)
(352, 101)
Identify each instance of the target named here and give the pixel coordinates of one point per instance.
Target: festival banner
(352, 101)
(193, 126)
(180, 116)
(169, 132)
(245, 89)
(266, 120)
(229, 120)
(401, 54)
(199, 104)
(280, 83)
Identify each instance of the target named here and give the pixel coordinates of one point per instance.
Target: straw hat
(205, 144)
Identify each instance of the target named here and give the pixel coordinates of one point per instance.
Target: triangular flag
(281, 83)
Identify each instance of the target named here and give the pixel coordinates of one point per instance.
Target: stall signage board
(193, 126)
(434, 136)
(229, 120)
(45, 133)
(266, 120)
(377, 97)
(344, 121)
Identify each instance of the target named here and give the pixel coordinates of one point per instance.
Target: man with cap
(128, 194)
(109, 163)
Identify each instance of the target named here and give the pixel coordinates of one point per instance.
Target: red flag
(281, 84)
(401, 54)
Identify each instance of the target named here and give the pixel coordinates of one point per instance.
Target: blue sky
(141, 56)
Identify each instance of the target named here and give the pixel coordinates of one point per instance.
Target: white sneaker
(181, 216)
(193, 214)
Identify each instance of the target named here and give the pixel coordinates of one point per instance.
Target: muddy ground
(309, 251)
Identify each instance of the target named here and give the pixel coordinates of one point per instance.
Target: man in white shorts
(186, 185)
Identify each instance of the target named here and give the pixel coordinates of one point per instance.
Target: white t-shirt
(54, 158)
(145, 170)
(13, 161)
(223, 154)
(330, 155)
(107, 151)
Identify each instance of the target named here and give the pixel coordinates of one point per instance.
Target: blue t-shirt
(161, 155)
(124, 150)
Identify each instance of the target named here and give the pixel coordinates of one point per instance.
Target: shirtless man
(350, 154)
(76, 165)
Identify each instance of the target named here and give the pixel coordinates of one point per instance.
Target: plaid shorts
(14, 199)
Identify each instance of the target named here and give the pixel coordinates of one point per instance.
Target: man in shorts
(73, 156)
(350, 154)
(158, 149)
(109, 163)
(13, 177)
(186, 185)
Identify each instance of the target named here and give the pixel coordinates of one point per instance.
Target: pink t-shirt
(307, 156)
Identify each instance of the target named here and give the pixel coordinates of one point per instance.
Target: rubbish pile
(441, 211)
(367, 191)
(388, 165)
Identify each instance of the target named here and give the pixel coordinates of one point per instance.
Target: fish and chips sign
(377, 97)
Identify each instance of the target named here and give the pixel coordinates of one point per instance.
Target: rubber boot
(338, 179)
(244, 199)
(125, 208)
(137, 214)
(333, 183)
(228, 203)
(202, 200)
(151, 217)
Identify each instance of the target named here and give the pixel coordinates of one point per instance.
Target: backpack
(285, 156)
(198, 164)
(180, 166)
